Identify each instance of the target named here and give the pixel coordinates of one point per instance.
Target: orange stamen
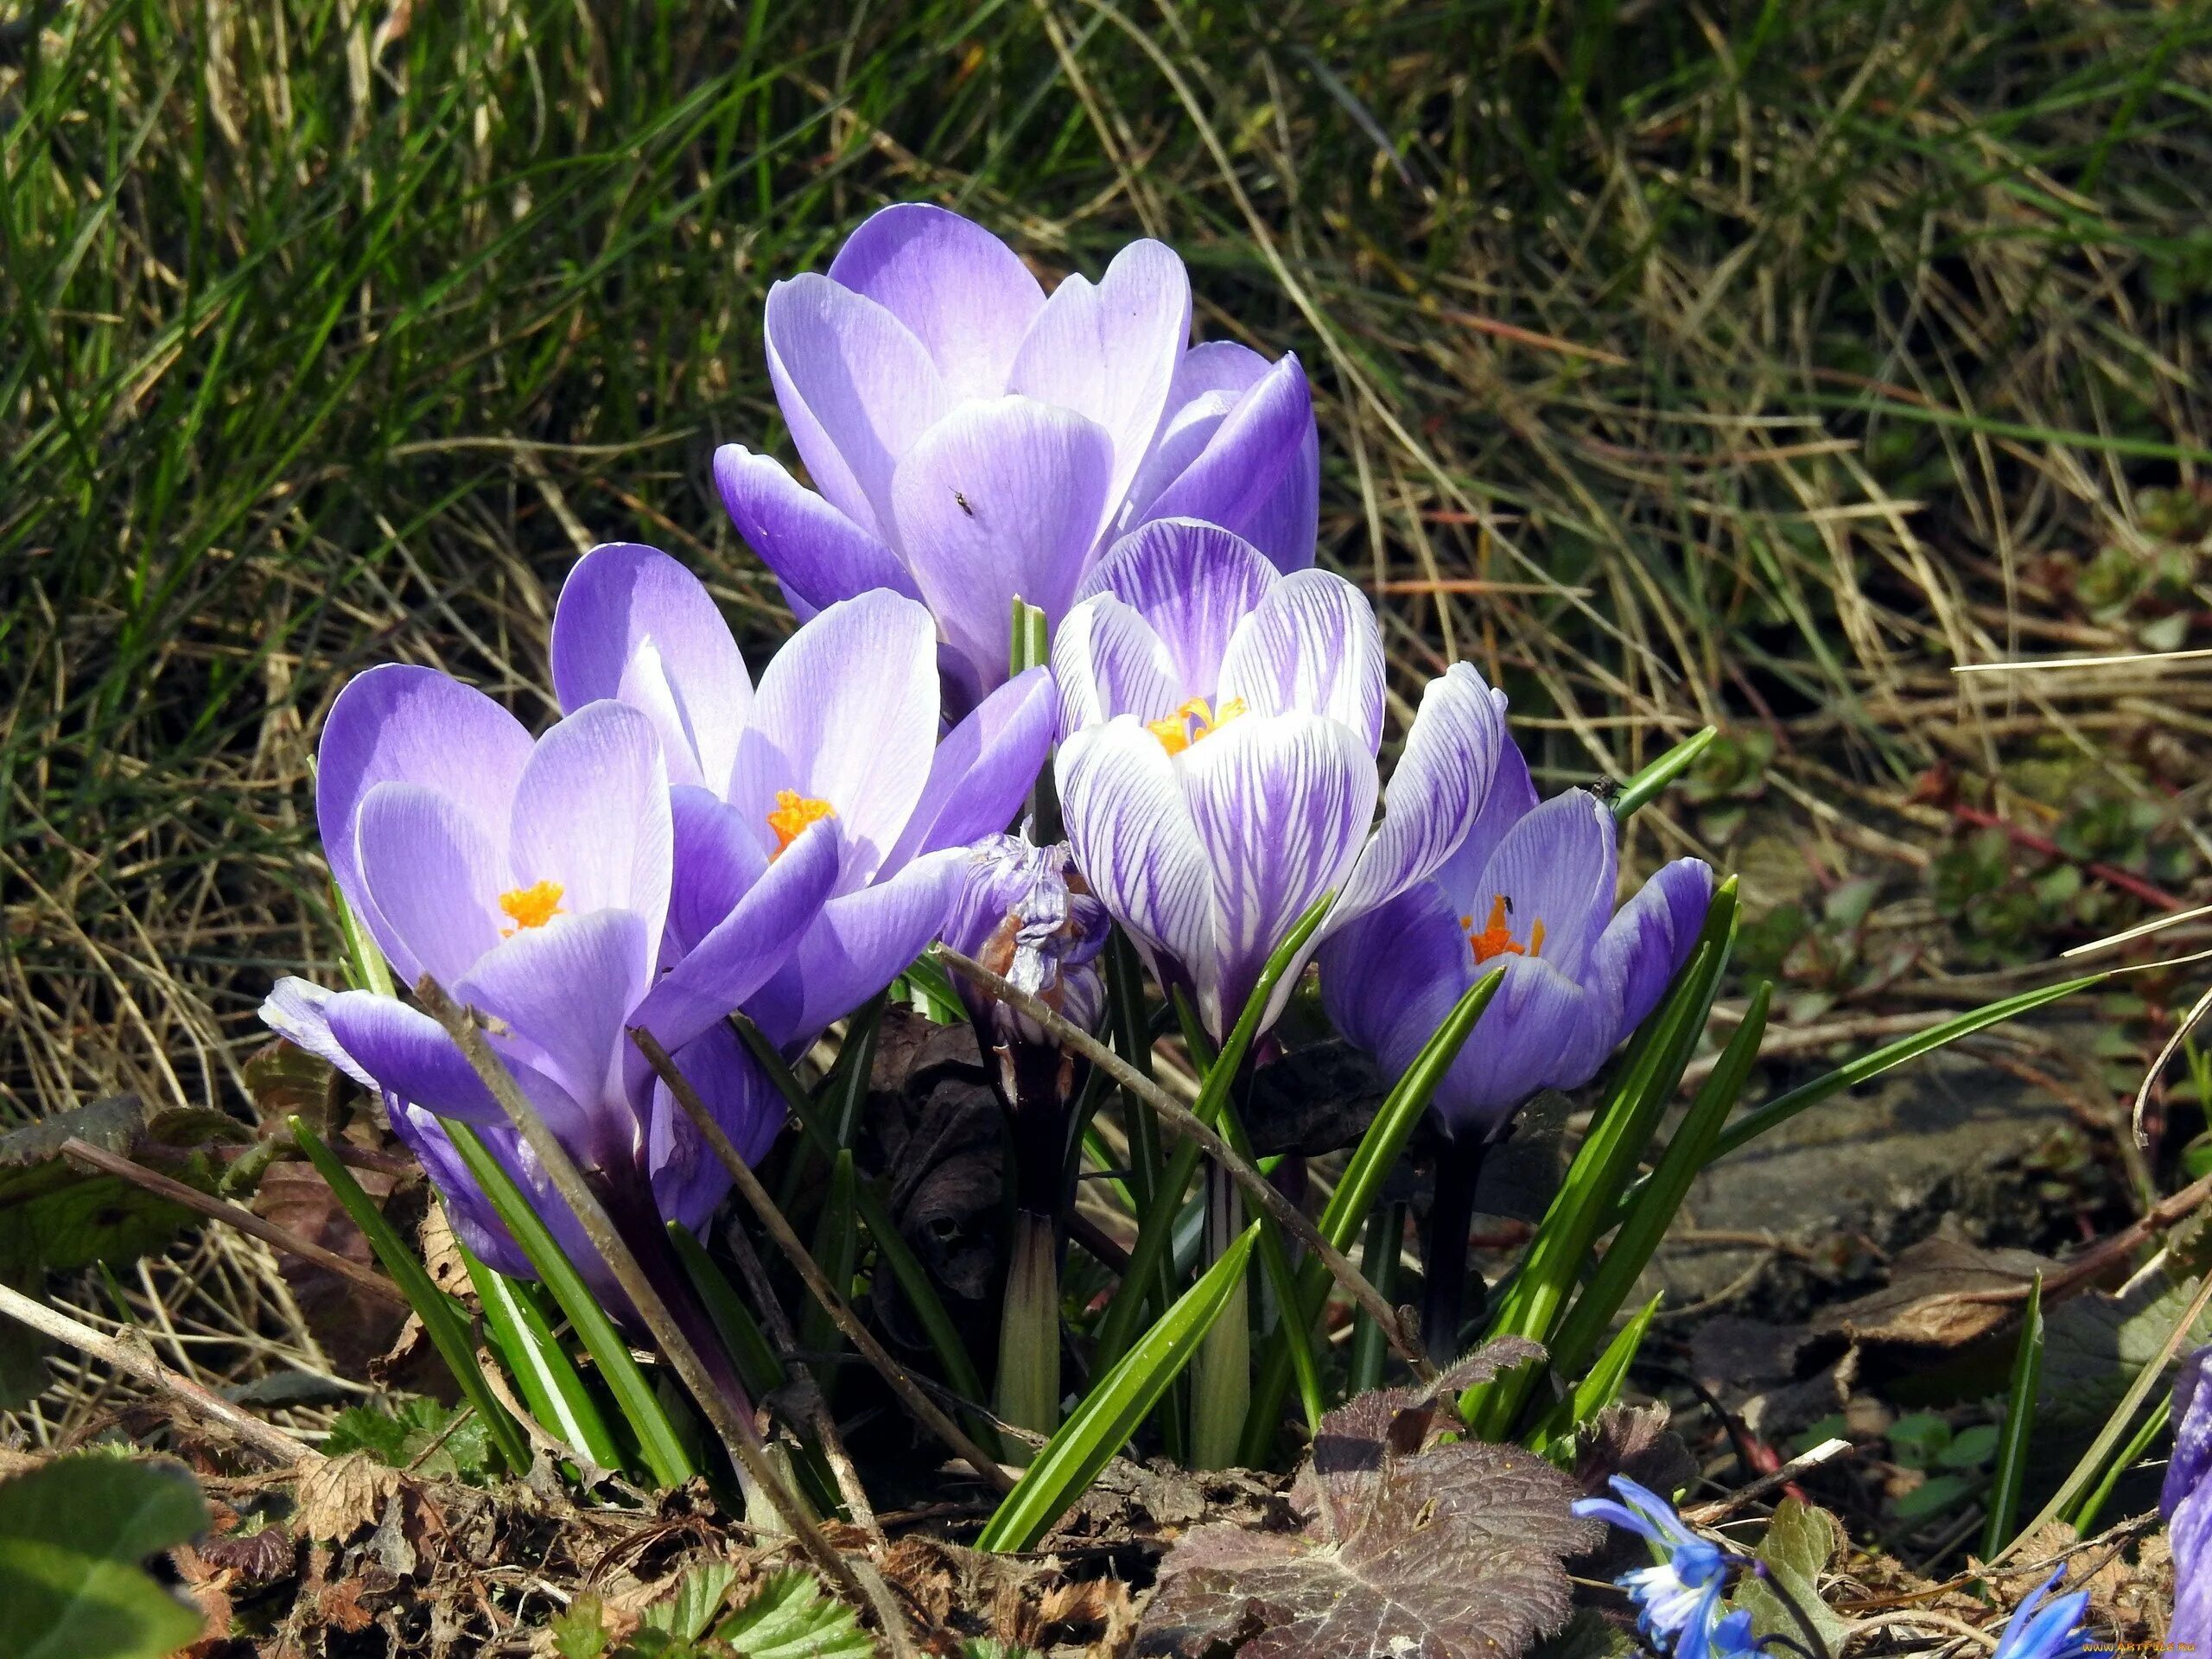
(1495, 938)
(1194, 720)
(530, 907)
(794, 812)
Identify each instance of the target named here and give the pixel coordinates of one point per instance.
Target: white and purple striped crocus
(1026, 914)
(1217, 771)
(841, 738)
(2186, 1501)
(532, 878)
(1531, 888)
(971, 440)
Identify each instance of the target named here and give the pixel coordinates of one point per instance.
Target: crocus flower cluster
(684, 842)
(2186, 1501)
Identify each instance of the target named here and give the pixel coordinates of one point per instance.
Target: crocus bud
(1026, 914)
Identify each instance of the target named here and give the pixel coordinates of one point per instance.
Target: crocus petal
(431, 872)
(1312, 646)
(1109, 352)
(860, 941)
(299, 1011)
(2188, 1467)
(1651, 937)
(634, 626)
(474, 1222)
(1258, 471)
(1192, 583)
(1558, 866)
(567, 988)
(962, 292)
(1209, 381)
(1281, 803)
(401, 724)
(1000, 500)
(1390, 978)
(983, 768)
(736, 958)
(409, 1054)
(591, 814)
(1436, 790)
(718, 859)
(1107, 660)
(856, 387)
(688, 1178)
(1135, 842)
(818, 555)
(1538, 1032)
(847, 713)
(1511, 797)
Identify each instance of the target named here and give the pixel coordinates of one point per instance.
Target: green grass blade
(2154, 1422)
(2019, 1428)
(837, 1247)
(1785, 1107)
(1600, 1387)
(1532, 1305)
(1030, 640)
(1102, 1425)
(1652, 1207)
(670, 1464)
(1377, 1153)
(1370, 1349)
(442, 1320)
(365, 964)
(1638, 792)
(758, 1366)
(1156, 1226)
(544, 1374)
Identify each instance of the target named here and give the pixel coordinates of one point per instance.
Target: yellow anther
(1495, 938)
(1194, 720)
(530, 907)
(794, 812)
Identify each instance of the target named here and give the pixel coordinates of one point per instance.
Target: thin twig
(1711, 1515)
(1280, 1210)
(736, 1430)
(132, 1360)
(80, 1151)
(816, 1281)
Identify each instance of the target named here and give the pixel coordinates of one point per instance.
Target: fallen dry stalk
(80, 1151)
(738, 1436)
(1280, 1210)
(131, 1360)
(816, 1281)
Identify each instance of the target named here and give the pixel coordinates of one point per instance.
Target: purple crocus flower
(1678, 1596)
(843, 732)
(972, 440)
(2186, 1500)
(1532, 888)
(1217, 773)
(533, 880)
(2041, 1628)
(1025, 915)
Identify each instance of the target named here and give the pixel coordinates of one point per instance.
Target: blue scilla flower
(2037, 1631)
(1732, 1637)
(1678, 1596)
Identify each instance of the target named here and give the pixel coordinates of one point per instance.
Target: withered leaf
(342, 1495)
(1635, 1441)
(1943, 1293)
(1413, 1547)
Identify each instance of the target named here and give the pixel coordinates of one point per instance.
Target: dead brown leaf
(344, 1495)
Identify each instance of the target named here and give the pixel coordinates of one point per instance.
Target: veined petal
(298, 1010)
(1558, 866)
(735, 958)
(1107, 660)
(1310, 646)
(409, 1054)
(984, 768)
(567, 988)
(1109, 353)
(718, 860)
(1651, 937)
(430, 873)
(1193, 584)
(1135, 842)
(962, 292)
(688, 1178)
(818, 555)
(858, 944)
(1281, 803)
(1258, 471)
(847, 713)
(1436, 790)
(406, 725)
(1210, 380)
(592, 815)
(1538, 1032)
(856, 387)
(1390, 978)
(635, 626)
(1511, 797)
(1000, 499)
